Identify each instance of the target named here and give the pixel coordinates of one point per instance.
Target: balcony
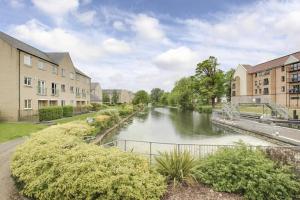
(294, 68)
(54, 92)
(294, 91)
(41, 91)
(294, 80)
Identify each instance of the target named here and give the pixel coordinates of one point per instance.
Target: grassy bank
(12, 130)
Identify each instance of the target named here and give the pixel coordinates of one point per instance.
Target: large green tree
(228, 80)
(164, 98)
(115, 97)
(141, 97)
(105, 98)
(155, 95)
(210, 80)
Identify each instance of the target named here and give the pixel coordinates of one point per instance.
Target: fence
(289, 154)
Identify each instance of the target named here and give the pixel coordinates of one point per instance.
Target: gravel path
(7, 187)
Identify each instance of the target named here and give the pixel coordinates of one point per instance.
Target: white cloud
(56, 7)
(113, 45)
(148, 28)
(177, 59)
(118, 25)
(16, 3)
(87, 17)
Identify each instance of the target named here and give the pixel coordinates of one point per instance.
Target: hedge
(50, 113)
(55, 165)
(68, 111)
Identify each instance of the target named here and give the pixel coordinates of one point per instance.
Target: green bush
(102, 122)
(125, 110)
(67, 111)
(176, 166)
(50, 113)
(249, 172)
(204, 109)
(98, 106)
(55, 165)
(113, 113)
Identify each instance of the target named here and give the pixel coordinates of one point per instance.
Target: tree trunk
(213, 102)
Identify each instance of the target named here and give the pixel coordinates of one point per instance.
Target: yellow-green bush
(55, 165)
(125, 110)
(103, 122)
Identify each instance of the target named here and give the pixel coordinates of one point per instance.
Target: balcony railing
(42, 91)
(294, 79)
(294, 67)
(294, 91)
(54, 92)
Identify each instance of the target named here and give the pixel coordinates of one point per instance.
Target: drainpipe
(19, 86)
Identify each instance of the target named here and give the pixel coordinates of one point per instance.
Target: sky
(143, 44)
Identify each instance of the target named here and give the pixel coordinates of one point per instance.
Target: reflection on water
(175, 126)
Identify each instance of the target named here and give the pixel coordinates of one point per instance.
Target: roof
(277, 62)
(25, 47)
(57, 56)
(80, 72)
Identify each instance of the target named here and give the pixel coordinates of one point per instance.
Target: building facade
(125, 96)
(96, 93)
(31, 79)
(276, 81)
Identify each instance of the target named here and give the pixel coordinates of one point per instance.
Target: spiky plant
(178, 167)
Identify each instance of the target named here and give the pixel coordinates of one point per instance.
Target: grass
(255, 109)
(12, 130)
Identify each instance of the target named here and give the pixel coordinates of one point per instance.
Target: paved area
(284, 134)
(7, 187)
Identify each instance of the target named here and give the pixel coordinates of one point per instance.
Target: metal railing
(152, 149)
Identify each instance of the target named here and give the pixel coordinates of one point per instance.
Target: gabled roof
(57, 56)
(80, 72)
(25, 47)
(277, 62)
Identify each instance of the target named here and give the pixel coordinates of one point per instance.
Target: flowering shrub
(55, 165)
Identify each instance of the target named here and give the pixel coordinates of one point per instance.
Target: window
(259, 91)
(233, 86)
(83, 93)
(71, 89)
(54, 91)
(63, 102)
(255, 74)
(266, 81)
(28, 81)
(255, 91)
(27, 104)
(27, 60)
(282, 89)
(72, 75)
(233, 93)
(266, 91)
(41, 65)
(63, 72)
(282, 78)
(77, 92)
(42, 87)
(282, 68)
(54, 70)
(63, 88)
(255, 83)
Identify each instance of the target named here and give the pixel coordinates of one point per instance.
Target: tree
(228, 80)
(115, 97)
(105, 98)
(164, 98)
(156, 94)
(141, 97)
(210, 79)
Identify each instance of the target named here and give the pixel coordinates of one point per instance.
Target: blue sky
(142, 44)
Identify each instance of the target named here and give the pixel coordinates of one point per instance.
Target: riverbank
(100, 136)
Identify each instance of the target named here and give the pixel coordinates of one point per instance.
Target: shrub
(125, 110)
(67, 111)
(53, 165)
(103, 122)
(113, 113)
(50, 113)
(248, 172)
(176, 166)
(98, 106)
(204, 109)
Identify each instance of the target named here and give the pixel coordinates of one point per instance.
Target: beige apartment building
(31, 79)
(125, 96)
(96, 93)
(276, 81)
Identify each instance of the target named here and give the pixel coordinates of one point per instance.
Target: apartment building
(31, 79)
(96, 93)
(276, 81)
(125, 96)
